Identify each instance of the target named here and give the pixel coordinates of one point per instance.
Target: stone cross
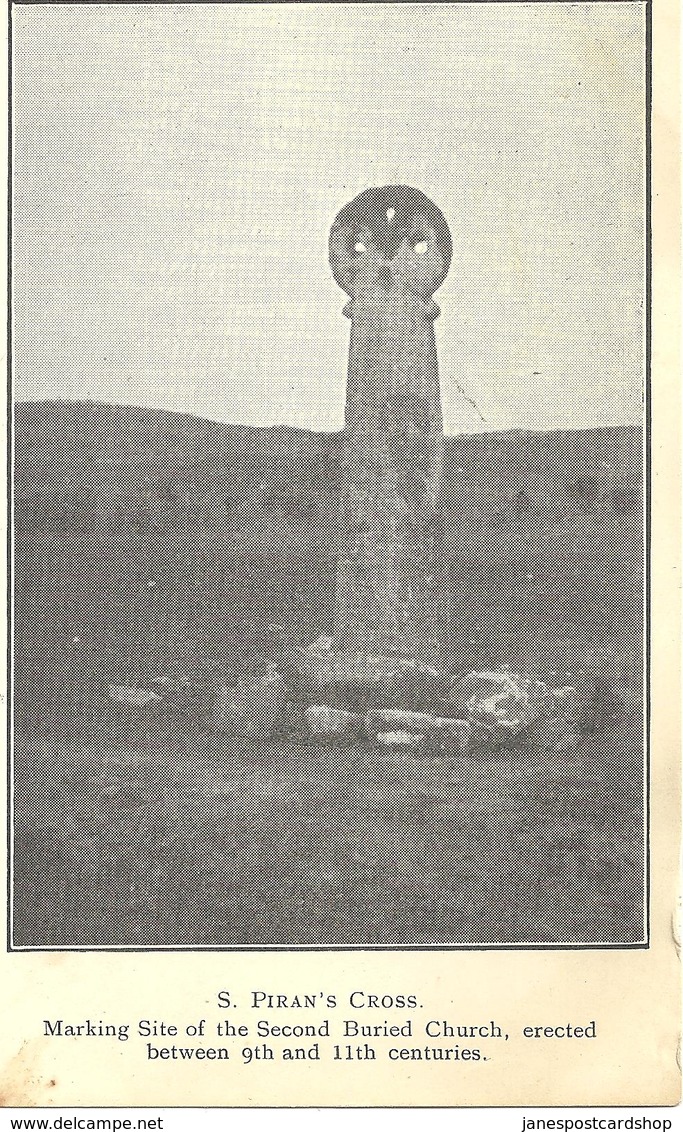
(390, 249)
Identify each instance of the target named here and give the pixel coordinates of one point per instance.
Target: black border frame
(647, 453)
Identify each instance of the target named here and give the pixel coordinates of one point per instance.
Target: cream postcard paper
(339, 772)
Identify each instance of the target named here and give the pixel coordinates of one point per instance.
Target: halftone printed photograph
(329, 391)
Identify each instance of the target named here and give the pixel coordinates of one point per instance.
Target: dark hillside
(75, 461)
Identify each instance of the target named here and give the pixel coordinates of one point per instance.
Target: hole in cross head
(359, 245)
(391, 212)
(419, 246)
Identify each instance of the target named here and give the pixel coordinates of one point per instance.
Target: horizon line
(316, 432)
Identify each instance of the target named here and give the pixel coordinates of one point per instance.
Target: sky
(177, 169)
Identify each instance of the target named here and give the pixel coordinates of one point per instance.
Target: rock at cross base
(357, 669)
(502, 705)
(333, 723)
(433, 730)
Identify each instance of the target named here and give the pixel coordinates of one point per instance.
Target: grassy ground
(125, 841)
(217, 843)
